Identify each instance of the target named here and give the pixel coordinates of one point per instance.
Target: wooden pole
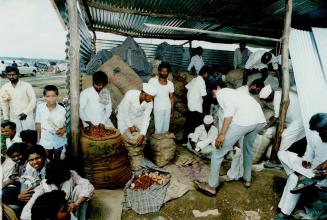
(74, 73)
(190, 48)
(286, 80)
(252, 37)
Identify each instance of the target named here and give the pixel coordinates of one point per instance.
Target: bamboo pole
(74, 73)
(286, 80)
(252, 37)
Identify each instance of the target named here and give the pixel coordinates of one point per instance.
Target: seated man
(202, 141)
(8, 129)
(58, 177)
(314, 156)
(11, 186)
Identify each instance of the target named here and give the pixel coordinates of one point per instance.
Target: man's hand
(140, 140)
(132, 129)
(25, 196)
(22, 116)
(322, 166)
(61, 131)
(72, 207)
(306, 164)
(220, 140)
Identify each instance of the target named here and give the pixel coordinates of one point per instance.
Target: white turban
(208, 119)
(149, 89)
(265, 92)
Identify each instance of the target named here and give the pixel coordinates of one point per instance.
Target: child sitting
(50, 124)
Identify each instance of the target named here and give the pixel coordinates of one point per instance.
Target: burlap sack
(121, 75)
(163, 148)
(135, 153)
(105, 161)
(234, 78)
(261, 144)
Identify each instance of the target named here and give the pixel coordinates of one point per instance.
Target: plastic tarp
(308, 52)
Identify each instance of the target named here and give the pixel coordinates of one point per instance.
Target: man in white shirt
(241, 55)
(8, 130)
(243, 116)
(95, 102)
(310, 164)
(196, 92)
(163, 107)
(18, 101)
(135, 109)
(196, 60)
(254, 88)
(258, 61)
(202, 140)
(294, 130)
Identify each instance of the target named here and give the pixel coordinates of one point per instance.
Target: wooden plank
(286, 81)
(74, 58)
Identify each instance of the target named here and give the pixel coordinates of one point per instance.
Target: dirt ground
(232, 201)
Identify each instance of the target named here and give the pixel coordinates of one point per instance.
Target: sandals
(303, 185)
(204, 188)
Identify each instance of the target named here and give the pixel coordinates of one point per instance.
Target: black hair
(56, 172)
(12, 69)
(100, 77)
(164, 65)
(17, 148)
(221, 84)
(11, 124)
(258, 82)
(48, 88)
(318, 122)
(197, 50)
(36, 149)
(29, 136)
(205, 69)
(48, 204)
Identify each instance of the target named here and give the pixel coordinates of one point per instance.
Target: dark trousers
(193, 120)
(10, 193)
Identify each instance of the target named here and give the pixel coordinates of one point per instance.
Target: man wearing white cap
(243, 116)
(294, 126)
(135, 109)
(202, 141)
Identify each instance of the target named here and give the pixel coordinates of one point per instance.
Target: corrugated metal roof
(223, 59)
(252, 17)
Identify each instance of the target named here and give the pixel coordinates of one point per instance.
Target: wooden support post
(94, 39)
(74, 73)
(190, 48)
(286, 80)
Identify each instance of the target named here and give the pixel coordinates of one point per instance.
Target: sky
(32, 29)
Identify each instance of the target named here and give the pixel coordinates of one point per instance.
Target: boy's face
(17, 158)
(36, 161)
(50, 97)
(8, 132)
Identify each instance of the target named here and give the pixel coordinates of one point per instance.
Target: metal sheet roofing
(251, 17)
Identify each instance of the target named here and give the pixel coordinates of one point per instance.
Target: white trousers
(205, 152)
(161, 120)
(289, 200)
(236, 170)
(26, 124)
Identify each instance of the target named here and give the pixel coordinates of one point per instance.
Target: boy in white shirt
(50, 121)
(163, 107)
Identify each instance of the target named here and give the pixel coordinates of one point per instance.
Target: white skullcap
(208, 119)
(265, 92)
(149, 89)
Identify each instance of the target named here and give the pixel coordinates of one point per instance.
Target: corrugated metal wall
(224, 59)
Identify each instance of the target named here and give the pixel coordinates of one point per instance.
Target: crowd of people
(36, 148)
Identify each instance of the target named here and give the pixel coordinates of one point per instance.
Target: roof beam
(86, 11)
(212, 32)
(151, 14)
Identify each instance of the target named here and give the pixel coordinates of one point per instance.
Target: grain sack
(135, 153)
(233, 78)
(163, 148)
(105, 160)
(121, 75)
(261, 144)
(181, 107)
(268, 113)
(180, 90)
(178, 121)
